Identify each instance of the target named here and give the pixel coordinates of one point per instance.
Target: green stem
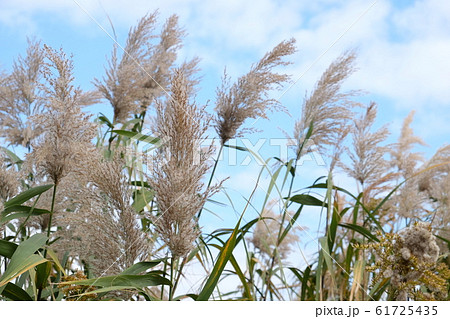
(212, 175)
(111, 138)
(280, 231)
(172, 271)
(177, 279)
(283, 218)
(164, 270)
(22, 226)
(51, 217)
(39, 293)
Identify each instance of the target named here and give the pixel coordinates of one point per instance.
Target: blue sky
(403, 53)
(403, 45)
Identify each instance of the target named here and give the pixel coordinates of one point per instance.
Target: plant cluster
(107, 209)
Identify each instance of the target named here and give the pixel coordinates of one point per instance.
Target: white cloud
(403, 51)
(411, 74)
(424, 19)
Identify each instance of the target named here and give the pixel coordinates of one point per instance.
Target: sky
(403, 62)
(403, 46)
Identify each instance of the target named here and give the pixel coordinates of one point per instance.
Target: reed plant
(114, 208)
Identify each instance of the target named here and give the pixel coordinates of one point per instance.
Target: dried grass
(179, 167)
(248, 97)
(327, 109)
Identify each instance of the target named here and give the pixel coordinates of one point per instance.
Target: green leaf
(55, 259)
(192, 296)
(290, 168)
(106, 289)
(24, 258)
(297, 273)
(307, 137)
(363, 231)
(137, 281)
(142, 198)
(137, 136)
(131, 122)
(23, 211)
(348, 258)
(14, 292)
(290, 224)
(247, 291)
(369, 213)
(307, 200)
(13, 157)
(7, 248)
(219, 265)
(105, 120)
(140, 267)
(306, 276)
(336, 218)
(245, 229)
(42, 272)
(26, 209)
(379, 288)
(327, 256)
(273, 180)
(26, 195)
(240, 148)
(325, 186)
(234, 263)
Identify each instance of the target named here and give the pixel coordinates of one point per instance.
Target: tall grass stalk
(115, 209)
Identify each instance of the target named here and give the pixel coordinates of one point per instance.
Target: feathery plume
(162, 59)
(67, 132)
(123, 81)
(23, 96)
(103, 229)
(368, 165)
(9, 185)
(144, 70)
(178, 169)
(265, 235)
(434, 181)
(327, 109)
(402, 156)
(20, 97)
(408, 199)
(248, 97)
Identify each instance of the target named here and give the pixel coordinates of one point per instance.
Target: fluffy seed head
(248, 97)
(67, 131)
(179, 167)
(326, 110)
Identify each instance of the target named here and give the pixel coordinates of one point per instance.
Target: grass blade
(138, 136)
(7, 248)
(24, 258)
(136, 281)
(28, 194)
(141, 267)
(19, 211)
(14, 292)
(307, 200)
(219, 265)
(363, 231)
